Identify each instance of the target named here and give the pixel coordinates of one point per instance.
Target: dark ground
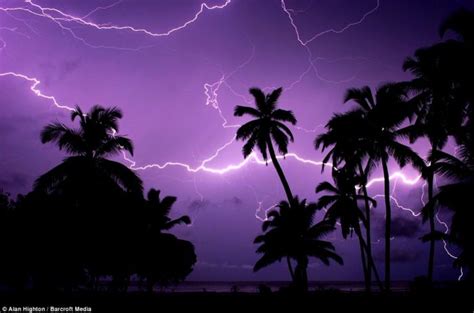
(447, 301)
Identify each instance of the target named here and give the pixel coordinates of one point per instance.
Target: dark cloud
(405, 255)
(399, 254)
(60, 69)
(404, 227)
(236, 201)
(198, 205)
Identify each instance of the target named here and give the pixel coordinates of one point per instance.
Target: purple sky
(177, 74)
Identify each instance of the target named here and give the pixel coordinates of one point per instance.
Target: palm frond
(327, 187)
(363, 97)
(265, 260)
(114, 145)
(281, 140)
(260, 99)
(122, 175)
(245, 131)
(50, 180)
(284, 116)
(272, 99)
(182, 220)
(240, 110)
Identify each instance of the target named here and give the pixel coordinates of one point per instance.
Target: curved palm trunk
(370, 261)
(432, 226)
(363, 261)
(388, 222)
(284, 182)
(374, 269)
(367, 231)
(301, 274)
(290, 268)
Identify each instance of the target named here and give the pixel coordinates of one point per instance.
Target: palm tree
(384, 112)
(458, 56)
(438, 115)
(342, 138)
(461, 22)
(267, 128)
(442, 87)
(457, 196)
(89, 146)
(341, 204)
(158, 210)
(290, 232)
(157, 221)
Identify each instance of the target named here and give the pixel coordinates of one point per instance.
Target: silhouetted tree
(456, 196)
(384, 112)
(163, 258)
(89, 145)
(13, 272)
(341, 204)
(290, 232)
(438, 114)
(345, 149)
(440, 96)
(267, 128)
(97, 192)
(460, 62)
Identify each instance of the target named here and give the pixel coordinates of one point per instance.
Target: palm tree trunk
(363, 261)
(301, 274)
(367, 229)
(388, 222)
(432, 226)
(370, 260)
(290, 268)
(371, 263)
(284, 182)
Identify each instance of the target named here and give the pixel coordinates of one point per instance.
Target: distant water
(253, 286)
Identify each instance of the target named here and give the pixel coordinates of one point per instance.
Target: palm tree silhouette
(342, 138)
(156, 221)
(341, 203)
(89, 145)
(438, 114)
(289, 232)
(459, 58)
(461, 22)
(158, 210)
(457, 196)
(384, 112)
(440, 102)
(267, 128)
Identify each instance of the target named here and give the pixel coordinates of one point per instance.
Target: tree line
(87, 219)
(436, 104)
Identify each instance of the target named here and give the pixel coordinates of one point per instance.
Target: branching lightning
(34, 88)
(63, 20)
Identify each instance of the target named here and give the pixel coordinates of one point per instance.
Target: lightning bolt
(60, 18)
(304, 43)
(328, 31)
(34, 88)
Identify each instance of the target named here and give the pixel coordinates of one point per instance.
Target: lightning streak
(34, 88)
(60, 18)
(70, 18)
